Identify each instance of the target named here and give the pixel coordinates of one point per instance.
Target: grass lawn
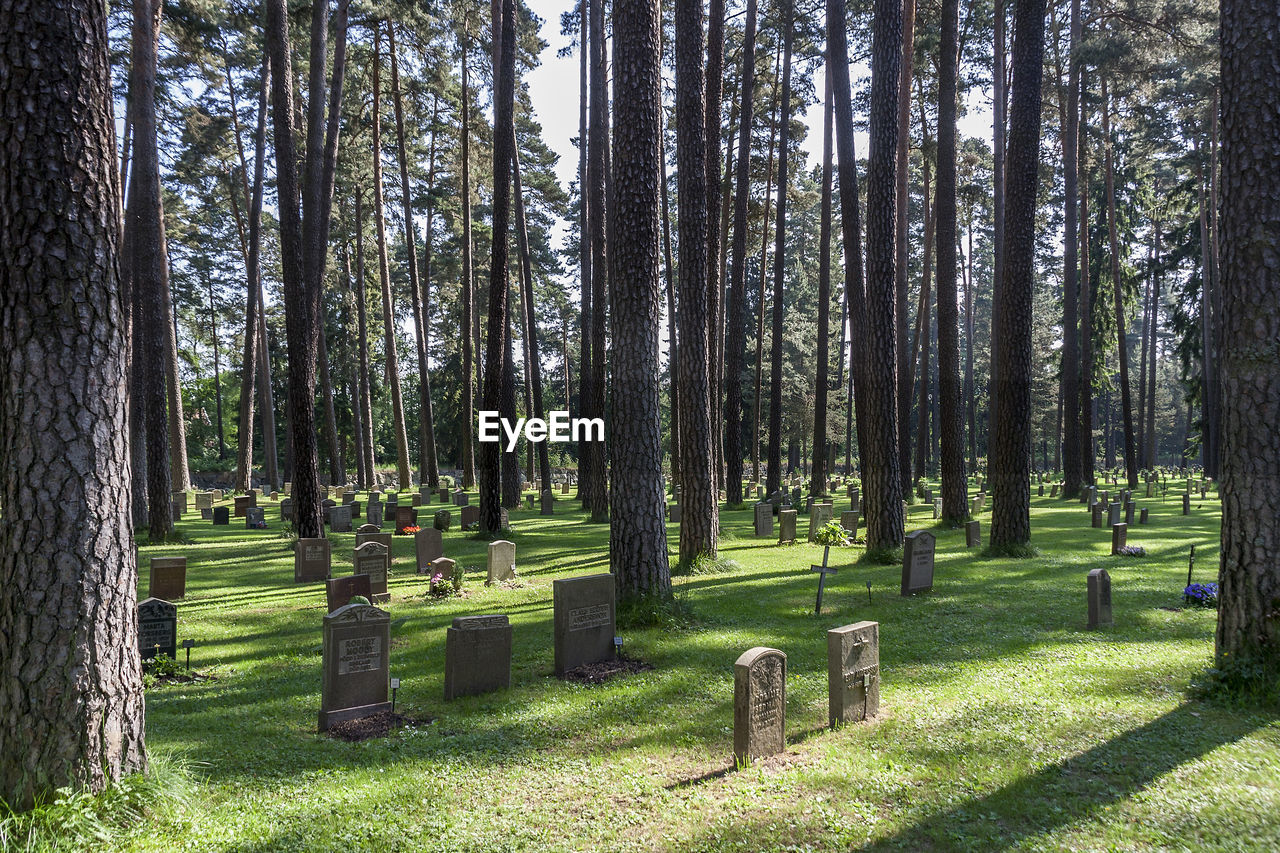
(1004, 723)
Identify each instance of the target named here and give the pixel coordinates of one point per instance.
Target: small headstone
(470, 516)
(937, 508)
(356, 669)
(443, 494)
(373, 514)
(584, 620)
(221, 515)
(157, 628)
(340, 591)
(477, 655)
(406, 516)
(973, 534)
(502, 561)
(853, 673)
(1144, 516)
(311, 560)
(786, 526)
(677, 513)
(1113, 514)
(1099, 599)
(1119, 535)
(340, 519)
(1097, 515)
(1128, 511)
(206, 513)
(917, 562)
(428, 545)
(564, 488)
(204, 500)
(415, 500)
(849, 521)
(1186, 504)
(286, 509)
(759, 704)
(548, 503)
(348, 497)
(243, 502)
(1040, 490)
(763, 519)
(168, 578)
(442, 519)
(460, 498)
(373, 559)
(255, 517)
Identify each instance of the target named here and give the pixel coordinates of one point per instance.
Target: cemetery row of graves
(402, 681)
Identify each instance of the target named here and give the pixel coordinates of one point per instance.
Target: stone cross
(822, 571)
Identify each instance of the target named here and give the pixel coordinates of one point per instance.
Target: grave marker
(340, 591)
(157, 628)
(406, 516)
(973, 534)
(1119, 535)
(221, 515)
(786, 526)
(356, 669)
(168, 579)
(759, 704)
(470, 516)
(502, 561)
(849, 521)
(428, 545)
(442, 519)
(311, 560)
(584, 620)
(853, 673)
(255, 517)
(340, 519)
(917, 562)
(1099, 585)
(477, 655)
(822, 571)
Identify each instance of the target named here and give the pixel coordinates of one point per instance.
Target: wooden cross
(822, 571)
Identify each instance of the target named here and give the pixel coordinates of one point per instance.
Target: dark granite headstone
(470, 516)
(853, 673)
(254, 516)
(373, 559)
(340, 591)
(311, 560)
(428, 545)
(973, 534)
(340, 519)
(356, 669)
(157, 628)
(243, 502)
(917, 562)
(442, 519)
(1119, 536)
(584, 620)
(759, 704)
(221, 515)
(786, 526)
(1099, 599)
(477, 655)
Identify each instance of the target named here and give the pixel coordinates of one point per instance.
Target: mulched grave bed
(599, 673)
(381, 724)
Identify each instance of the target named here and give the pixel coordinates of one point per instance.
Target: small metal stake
(868, 592)
(187, 644)
(395, 687)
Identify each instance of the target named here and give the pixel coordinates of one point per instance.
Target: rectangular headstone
(1119, 536)
(286, 509)
(157, 628)
(221, 515)
(340, 519)
(442, 519)
(763, 519)
(470, 516)
(677, 513)
(477, 655)
(786, 526)
(168, 578)
(584, 618)
(1097, 515)
(1186, 504)
(428, 545)
(502, 561)
(243, 502)
(406, 516)
(375, 536)
(849, 521)
(759, 704)
(917, 562)
(340, 591)
(255, 517)
(1099, 599)
(853, 673)
(373, 559)
(973, 534)
(356, 669)
(1129, 507)
(311, 560)
(1144, 516)
(548, 503)
(204, 500)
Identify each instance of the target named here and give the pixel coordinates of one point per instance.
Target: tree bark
(764, 263)
(337, 468)
(1011, 456)
(217, 368)
(673, 342)
(699, 527)
(999, 123)
(362, 321)
(469, 369)
(773, 462)
(1087, 452)
(598, 176)
(818, 471)
(950, 431)
(735, 330)
(585, 212)
(637, 530)
(71, 712)
(1152, 452)
(1122, 343)
(1072, 469)
(902, 169)
(1249, 575)
(533, 362)
(712, 123)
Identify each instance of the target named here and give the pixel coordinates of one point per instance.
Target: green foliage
(703, 565)
(831, 533)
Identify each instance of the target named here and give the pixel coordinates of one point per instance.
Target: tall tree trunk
(1072, 470)
(637, 532)
(302, 299)
(999, 122)
(389, 324)
(1249, 575)
(337, 468)
(924, 408)
(503, 148)
(585, 212)
(510, 462)
(71, 713)
(1208, 353)
(1011, 456)
(150, 274)
(1152, 451)
(818, 472)
(353, 381)
(266, 402)
(533, 361)
(774, 455)
(1087, 452)
(699, 526)
(469, 368)
(712, 124)
(1122, 342)
(362, 323)
(735, 330)
(217, 368)
(1145, 335)
(426, 435)
(969, 326)
(902, 169)
(673, 342)
(764, 263)
(950, 431)
(598, 176)
(882, 483)
(428, 411)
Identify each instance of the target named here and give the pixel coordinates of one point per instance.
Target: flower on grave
(1132, 551)
(1201, 594)
(439, 585)
(412, 528)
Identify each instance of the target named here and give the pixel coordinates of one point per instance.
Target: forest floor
(1004, 723)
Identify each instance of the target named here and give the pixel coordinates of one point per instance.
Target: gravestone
(460, 498)
(340, 591)
(853, 673)
(1097, 515)
(973, 534)
(355, 509)
(477, 655)
(849, 521)
(254, 517)
(221, 515)
(584, 620)
(1113, 514)
(763, 519)
(786, 526)
(1053, 492)
(340, 519)
(415, 500)
(428, 545)
(311, 560)
(242, 503)
(564, 488)
(470, 516)
(443, 494)
(1144, 516)
(677, 513)
(406, 516)
(157, 628)
(528, 501)
(1128, 512)
(168, 579)
(442, 519)
(356, 668)
(917, 562)
(819, 515)
(1119, 535)
(1186, 504)
(204, 500)
(759, 704)
(373, 559)
(1040, 490)
(348, 497)
(206, 513)
(375, 536)
(937, 509)
(1099, 599)
(373, 514)
(502, 561)
(326, 506)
